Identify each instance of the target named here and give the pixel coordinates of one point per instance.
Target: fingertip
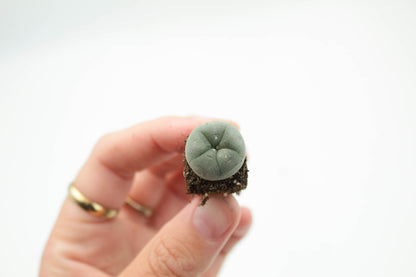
(246, 221)
(201, 120)
(217, 218)
(190, 242)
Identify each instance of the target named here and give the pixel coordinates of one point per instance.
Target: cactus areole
(215, 159)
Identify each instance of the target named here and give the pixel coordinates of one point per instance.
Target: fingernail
(214, 218)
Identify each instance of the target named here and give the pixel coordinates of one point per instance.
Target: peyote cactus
(215, 150)
(215, 159)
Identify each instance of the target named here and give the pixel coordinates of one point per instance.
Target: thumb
(189, 243)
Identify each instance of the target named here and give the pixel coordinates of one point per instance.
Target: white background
(324, 92)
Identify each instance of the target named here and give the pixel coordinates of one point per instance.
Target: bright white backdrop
(325, 93)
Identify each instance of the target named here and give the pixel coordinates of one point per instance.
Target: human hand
(180, 238)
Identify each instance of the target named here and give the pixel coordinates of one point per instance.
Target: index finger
(107, 175)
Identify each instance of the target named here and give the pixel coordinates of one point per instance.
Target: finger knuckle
(54, 258)
(171, 257)
(104, 142)
(105, 152)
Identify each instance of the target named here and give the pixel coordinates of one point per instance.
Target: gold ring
(146, 211)
(91, 207)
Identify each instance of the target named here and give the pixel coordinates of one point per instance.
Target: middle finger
(150, 186)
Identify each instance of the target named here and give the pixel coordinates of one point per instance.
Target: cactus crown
(215, 150)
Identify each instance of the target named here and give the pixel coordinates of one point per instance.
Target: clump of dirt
(199, 186)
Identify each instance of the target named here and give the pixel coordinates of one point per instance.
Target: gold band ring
(91, 207)
(146, 211)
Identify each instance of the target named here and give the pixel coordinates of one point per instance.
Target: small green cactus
(215, 150)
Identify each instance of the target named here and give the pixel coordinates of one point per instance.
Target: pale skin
(144, 162)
